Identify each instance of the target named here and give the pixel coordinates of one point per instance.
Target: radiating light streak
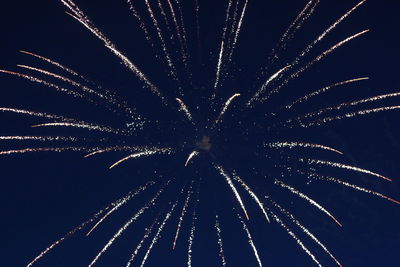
(353, 186)
(250, 240)
(142, 25)
(82, 125)
(36, 114)
(182, 28)
(183, 212)
(347, 105)
(120, 203)
(145, 153)
(84, 88)
(178, 31)
(224, 109)
(252, 195)
(48, 84)
(291, 145)
(164, 15)
(256, 96)
(298, 241)
(72, 232)
(162, 41)
(185, 109)
(312, 62)
(42, 138)
(52, 62)
(293, 27)
(219, 240)
(239, 27)
(348, 115)
(222, 46)
(139, 246)
(324, 33)
(228, 180)
(158, 234)
(343, 166)
(329, 29)
(132, 219)
(323, 90)
(303, 228)
(118, 148)
(191, 156)
(191, 239)
(47, 149)
(308, 199)
(81, 17)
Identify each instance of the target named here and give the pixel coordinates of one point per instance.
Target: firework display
(212, 155)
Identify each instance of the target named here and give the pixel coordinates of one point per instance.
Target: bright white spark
(342, 166)
(291, 145)
(145, 153)
(232, 186)
(220, 243)
(308, 199)
(252, 195)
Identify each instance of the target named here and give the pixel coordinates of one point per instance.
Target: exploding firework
(216, 142)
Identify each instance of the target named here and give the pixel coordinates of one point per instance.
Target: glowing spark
(298, 241)
(225, 108)
(311, 63)
(118, 148)
(291, 145)
(139, 246)
(184, 209)
(158, 234)
(41, 138)
(221, 52)
(250, 240)
(349, 115)
(252, 194)
(304, 229)
(308, 199)
(343, 166)
(163, 45)
(47, 149)
(48, 84)
(220, 244)
(152, 202)
(82, 125)
(73, 231)
(81, 17)
(118, 204)
(192, 155)
(145, 153)
(323, 90)
(232, 186)
(185, 109)
(52, 62)
(239, 27)
(191, 238)
(356, 187)
(264, 86)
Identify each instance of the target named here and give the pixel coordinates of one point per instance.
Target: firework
(191, 125)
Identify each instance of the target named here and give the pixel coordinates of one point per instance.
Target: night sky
(44, 195)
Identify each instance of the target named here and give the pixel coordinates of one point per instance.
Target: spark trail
(219, 240)
(82, 18)
(228, 180)
(140, 212)
(308, 199)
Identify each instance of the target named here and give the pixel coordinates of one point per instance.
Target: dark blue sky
(45, 195)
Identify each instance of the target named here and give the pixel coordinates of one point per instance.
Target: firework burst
(215, 156)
